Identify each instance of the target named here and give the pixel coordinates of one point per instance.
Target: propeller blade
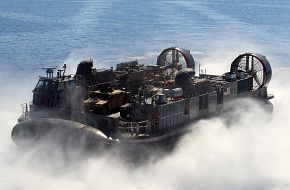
(256, 78)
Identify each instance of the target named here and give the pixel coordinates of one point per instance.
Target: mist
(247, 148)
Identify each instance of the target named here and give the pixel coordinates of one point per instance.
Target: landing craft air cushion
(135, 104)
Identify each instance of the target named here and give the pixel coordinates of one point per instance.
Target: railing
(133, 129)
(25, 111)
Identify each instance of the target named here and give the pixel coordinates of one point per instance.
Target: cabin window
(40, 84)
(51, 85)
(43, 84)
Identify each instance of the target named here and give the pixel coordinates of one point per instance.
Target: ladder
(25, 111)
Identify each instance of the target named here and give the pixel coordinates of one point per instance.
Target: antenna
(198, 69)
(49, 71)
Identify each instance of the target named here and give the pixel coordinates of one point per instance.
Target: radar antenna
(49, 71)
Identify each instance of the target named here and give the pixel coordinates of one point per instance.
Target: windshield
(46, 84)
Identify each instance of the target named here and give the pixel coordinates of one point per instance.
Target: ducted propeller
(256, 65)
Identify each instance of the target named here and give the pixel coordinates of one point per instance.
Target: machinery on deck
(135, 104)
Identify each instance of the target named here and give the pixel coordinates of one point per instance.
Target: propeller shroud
(174, 58)
(255, 65)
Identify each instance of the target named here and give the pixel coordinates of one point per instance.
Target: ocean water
(253, 153)
(43, 33)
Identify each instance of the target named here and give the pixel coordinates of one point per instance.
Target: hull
(73, 132)
(135, 106)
